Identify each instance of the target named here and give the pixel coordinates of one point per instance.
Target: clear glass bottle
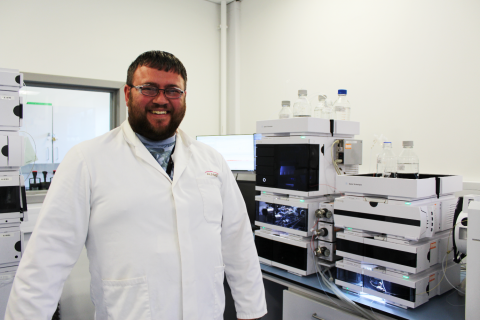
(342, 106)
(387, 162)
(407, 162)
(286, 111)
(328, 112)
(317, 112)
(302, 107)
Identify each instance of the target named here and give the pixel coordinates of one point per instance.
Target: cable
(446, 278)
(316, 272)
(351, 306)
(334, 162)
(446, 263)
(354, 307)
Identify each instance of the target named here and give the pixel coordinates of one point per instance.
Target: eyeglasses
(151, 91)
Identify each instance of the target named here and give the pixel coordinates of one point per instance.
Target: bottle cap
(285, 102)
(322, 96)
(302, 92)
(342, 91)
(408, 143)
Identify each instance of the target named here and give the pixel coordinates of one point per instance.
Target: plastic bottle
(286, 111)
(302, 107)
(342, 106)
(407, 162)
(387, 162)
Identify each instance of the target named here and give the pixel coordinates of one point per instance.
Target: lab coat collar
(180, 156)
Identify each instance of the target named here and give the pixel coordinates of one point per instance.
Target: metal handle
(316, 317)
(48, 154)
(56, 153)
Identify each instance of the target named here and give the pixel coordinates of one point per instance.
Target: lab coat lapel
(181, 156)
(139, 149)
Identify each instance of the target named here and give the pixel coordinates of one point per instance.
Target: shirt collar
(151, 143)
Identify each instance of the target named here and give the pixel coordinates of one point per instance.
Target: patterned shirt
(160, 150)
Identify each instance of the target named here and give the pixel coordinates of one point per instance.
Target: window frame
(115, 88)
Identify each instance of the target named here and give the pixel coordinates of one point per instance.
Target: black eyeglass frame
(139, 88)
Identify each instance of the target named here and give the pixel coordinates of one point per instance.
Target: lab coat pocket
(127, 299)
(212, 199)
(219, 292)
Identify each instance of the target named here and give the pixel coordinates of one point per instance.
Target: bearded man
(160, 214)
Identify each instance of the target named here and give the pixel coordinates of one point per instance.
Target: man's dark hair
(159, 60)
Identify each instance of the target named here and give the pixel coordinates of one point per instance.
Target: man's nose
(161, 98)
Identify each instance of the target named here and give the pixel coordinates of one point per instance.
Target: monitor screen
(238, 150)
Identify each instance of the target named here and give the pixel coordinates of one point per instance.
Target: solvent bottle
(342, 106)
(387, 162)
(302, 107)
(407, 162)
(286, 111)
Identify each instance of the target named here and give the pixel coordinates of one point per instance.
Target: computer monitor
(237, 149)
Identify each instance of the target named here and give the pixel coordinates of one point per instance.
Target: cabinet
(298, 307)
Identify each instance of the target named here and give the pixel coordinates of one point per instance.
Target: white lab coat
(158, 249)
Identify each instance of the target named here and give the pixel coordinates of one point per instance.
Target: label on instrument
(7, 97)
(433, 245)
(6, 179)
(432, 278)
(348, 146)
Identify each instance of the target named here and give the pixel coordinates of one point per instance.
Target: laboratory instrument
(297, 156)
(381, 250)
(286, 251)
(11, 104)
(397, 289)
(13, 201)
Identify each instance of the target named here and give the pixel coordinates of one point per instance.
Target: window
(60, 112)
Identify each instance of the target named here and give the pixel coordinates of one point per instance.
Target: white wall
(411, 69)
(99, 39)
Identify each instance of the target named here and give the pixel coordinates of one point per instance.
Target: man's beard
(137, 117)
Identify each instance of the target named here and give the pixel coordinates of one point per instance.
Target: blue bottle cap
(342, 91)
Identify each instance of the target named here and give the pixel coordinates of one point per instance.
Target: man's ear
(127, 92)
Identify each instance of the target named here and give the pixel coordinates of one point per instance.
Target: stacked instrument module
(397, 232)
(13, 201)
(297, 161)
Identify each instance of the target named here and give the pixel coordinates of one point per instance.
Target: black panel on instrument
(292, 256)
(350, 277)
(10, 199)
(389, 288)
(264, 247)
(390, 255)
(350, 246)
(288, 166)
